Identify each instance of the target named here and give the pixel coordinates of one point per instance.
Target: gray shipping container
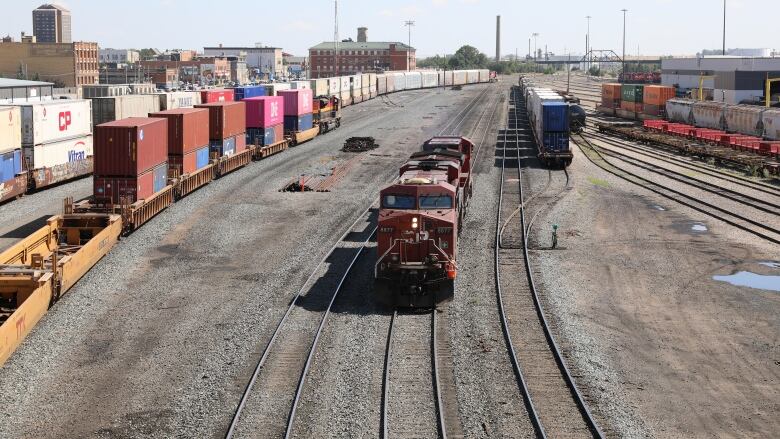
(121, 107)
(143, 89)
(178, 99)
(104, 90)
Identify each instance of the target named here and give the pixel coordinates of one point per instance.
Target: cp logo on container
(65, 120)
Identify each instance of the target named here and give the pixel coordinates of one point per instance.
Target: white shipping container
(472, 76)
(300, 85)
(430, 79)
(771, 121)
(745, 119)
(274, 88)
(346, 97)
(46, 122)
(334, 86)
(121, 107)
(459, 77)
(320, 87)
(484, 75)
(10, 128)
(399, 81)
(709, 114)
(413, 80)
(53, 155)
(680, 110)
(346, 84)
(178, 99)
(356, 82)
(356, 93)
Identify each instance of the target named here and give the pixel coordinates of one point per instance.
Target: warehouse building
(65, 64)
(265, 60)
(723, 79)
(361, 56)
(16, 91)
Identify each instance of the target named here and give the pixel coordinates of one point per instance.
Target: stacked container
(227, 127)
(297, 110)
(109, 109)
(250, 91)
(334, 86)
(178, 99)
(430, 79)
(188, 138)
(381, 84)
(632, 97)
(320, 87)
(372, 91)
(345, 90)
(298, 85)
(264, 120)
(57, 140)
(365, 86)
(655, 97)
(356, 88)
(11, 153)
(274, 89)
(131, 159)
(216, 95)
(610, 95)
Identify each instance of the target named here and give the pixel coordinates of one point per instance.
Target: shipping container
(745, 119)
(146, 88)
(399, 81)
(129, 147)
(346, 98)
(472, 76)
(459, 77)
(413, 80)
(381, 84)
(366, 92)
(61, 156)
(224, 147)
(189, 162)
(657, 94)
(298, 123)
(430, 79)
(355, 82)
(632, 93)
(484, 75)
(250, 91)
(680, 110)
(771, 122)
(178, 99)
(226, 119)
(297, 102)
(110, 189)
(10, 167)
(300, 85)
(357, 95)
(10, 129)
(611, 95)
(264, 111)
(202, 157)
(104, 90)
(389, 83)
(654, 110)
(709, 115)
(188, 129)
(265, 136)
(634, 107)
(52, 121)
(121, 107)
(320, 87)
(334, 86)
(217, 95)
(275, 88)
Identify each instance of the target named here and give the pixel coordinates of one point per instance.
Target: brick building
(65, 64)
(201, 70)
(359, 57)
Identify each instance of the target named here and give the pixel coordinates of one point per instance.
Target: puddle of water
(699, 228)
(770, 264)
(751, 280)
(661, 208)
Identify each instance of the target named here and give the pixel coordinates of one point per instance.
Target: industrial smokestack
(498, 38)
(362, 34)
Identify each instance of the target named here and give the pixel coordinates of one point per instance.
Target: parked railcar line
(756, 203)
(553, 401)
(593, 153)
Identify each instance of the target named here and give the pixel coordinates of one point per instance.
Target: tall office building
(51, 24)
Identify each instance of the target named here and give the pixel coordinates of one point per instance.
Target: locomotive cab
(417, 241)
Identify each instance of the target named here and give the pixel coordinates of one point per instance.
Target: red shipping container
(240, 143)
(130, 147)
(188, 129)
(217, 95)
(226, 119)
(297, 102)
(185, 164)
(264, 111)
(110, 189)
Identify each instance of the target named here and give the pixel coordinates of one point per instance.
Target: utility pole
(724, 27)
(536, 55)
(409, 24)
(335, 38)
(498, 38)
(624, 40)
(587, 45)
(529, 48)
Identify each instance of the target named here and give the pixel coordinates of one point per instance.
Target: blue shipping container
(202, 157)
(223, 147)
(555, 116)
(263, 136)
(556, 142)
(10, 165)
(253, 91)
(160, 177)
(298, 123)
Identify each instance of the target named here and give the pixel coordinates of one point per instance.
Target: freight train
(550, 118)
(142, 165)
(420, 219)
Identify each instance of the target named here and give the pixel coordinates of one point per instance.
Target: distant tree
(594, 71)
(36, 77)
(468, 57)
(146, 53)
(437, 62)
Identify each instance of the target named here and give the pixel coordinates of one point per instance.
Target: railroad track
(597, 156)
(295, 339)
(675, 159)
(760, 204)
(553, 401)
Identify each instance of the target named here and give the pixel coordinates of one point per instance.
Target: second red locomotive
(420, 218)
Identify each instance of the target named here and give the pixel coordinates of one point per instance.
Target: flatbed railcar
(420, 219)
(549, 117)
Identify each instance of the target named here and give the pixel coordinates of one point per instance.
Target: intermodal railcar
(549, 116)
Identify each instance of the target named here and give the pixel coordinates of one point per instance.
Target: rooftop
(7, 83)
(52, 6)
(352, 45)
(241, 48)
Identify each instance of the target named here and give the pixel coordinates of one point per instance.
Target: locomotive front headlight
(414, 223)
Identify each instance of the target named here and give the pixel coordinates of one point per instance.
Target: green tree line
(469, 57)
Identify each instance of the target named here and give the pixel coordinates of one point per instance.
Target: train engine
(327, 113)
(420, 218)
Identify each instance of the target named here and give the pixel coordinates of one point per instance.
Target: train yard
(590, 301)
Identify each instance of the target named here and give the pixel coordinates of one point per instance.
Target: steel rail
(436, 380)
(662, 191)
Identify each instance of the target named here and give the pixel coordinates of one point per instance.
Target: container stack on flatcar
(178, 99)
(249, 91)
(548, 114)
(109, 109)
(264, 120)
(12, 176)
(217, 95)
(298, 117)
(420, 218)
(227, 128)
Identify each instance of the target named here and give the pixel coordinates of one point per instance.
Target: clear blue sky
(656, 26)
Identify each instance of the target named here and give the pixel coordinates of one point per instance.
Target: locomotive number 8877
(420, 218)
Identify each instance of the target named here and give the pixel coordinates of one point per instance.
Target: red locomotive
(420, 218)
